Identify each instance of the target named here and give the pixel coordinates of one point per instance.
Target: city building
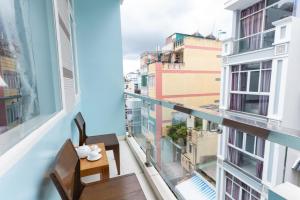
(259, 77)
(186, 71)
(133, 116)
(133, 82)
(201, 147)
(10, 86)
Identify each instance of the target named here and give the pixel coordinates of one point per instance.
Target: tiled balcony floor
(128, 165)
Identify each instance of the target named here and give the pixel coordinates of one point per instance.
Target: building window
(250, 87)
(246, 151)
(190, 148)
(282, 32)
(235, 189)
(279, 10)
(151, 80)
(253, 34)
(144, 80)
(29, 72)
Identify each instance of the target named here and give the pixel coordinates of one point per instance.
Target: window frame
(241, 188)
(263, 31)
(248, 92)
(23, 146)
(74, 49)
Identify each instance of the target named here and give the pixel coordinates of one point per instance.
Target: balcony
(248, 44)
(64, 75)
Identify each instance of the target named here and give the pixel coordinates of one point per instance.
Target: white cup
(93, 154)
(94, 147)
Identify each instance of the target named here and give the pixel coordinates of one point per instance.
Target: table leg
(105, 173)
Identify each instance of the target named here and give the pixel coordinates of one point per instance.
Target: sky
(147, 23)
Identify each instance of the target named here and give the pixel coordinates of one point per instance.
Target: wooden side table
(93, 167)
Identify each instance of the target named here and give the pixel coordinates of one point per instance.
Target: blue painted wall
(28, 179)
(99, 46)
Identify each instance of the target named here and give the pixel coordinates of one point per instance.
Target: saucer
(94, 159)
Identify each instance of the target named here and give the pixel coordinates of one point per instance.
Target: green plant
(177, 131)
(198, 124)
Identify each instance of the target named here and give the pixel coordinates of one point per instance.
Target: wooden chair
(66, 178)
(110, 140)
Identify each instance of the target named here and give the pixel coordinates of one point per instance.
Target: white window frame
(263, 31)
(240, 189)
(248, 92)
(74, 50)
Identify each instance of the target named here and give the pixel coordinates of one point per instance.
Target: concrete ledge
(160, 188)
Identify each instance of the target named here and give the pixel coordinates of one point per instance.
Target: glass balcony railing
(182, 144)
(254, 42)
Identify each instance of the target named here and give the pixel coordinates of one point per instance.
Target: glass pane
(239, 139)
(249, 44)
(268, 39)
(279, 11)
(251, 104)
(256, 194)
(254, 81)
(227, 197)
(250, 143)
(250, 66)
(251, 25)
(234, 81)
(243, 81)
(235, 68)
(235, 191)
(231, 136)
(270, 2)
(260, 147)
(263, 105)
(245, 195)
(228, 185)
(29, 73)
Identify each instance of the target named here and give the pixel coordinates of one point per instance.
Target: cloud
(146, 23)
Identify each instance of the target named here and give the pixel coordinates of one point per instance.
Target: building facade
(186, 71)
(10, 85)
(258, 78)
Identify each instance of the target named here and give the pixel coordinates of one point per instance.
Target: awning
(195, 188)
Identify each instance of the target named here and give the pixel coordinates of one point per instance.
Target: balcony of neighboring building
(256, 40)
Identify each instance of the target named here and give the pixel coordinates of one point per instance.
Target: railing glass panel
(192, 147)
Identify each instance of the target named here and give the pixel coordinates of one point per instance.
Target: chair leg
(116, 151)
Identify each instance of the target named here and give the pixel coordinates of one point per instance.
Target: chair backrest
(80, 123)
(66, 173)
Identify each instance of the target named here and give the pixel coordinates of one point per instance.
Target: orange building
(187, 71)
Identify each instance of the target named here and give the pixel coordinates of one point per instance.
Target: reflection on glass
(181, 146)
(29, 86)
(250, 143)
(268, 39)
(279, 11)
(254, 79)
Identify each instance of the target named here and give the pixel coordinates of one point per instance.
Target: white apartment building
(260, 78)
